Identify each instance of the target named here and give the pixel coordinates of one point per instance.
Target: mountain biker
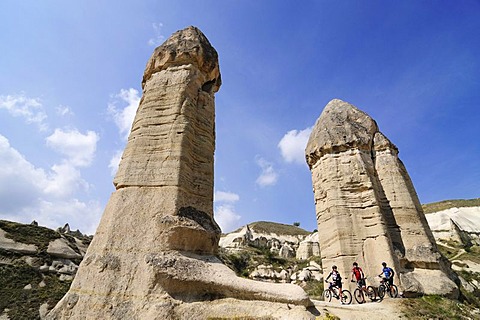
(337, 280)
(388, 273)
(357, 272)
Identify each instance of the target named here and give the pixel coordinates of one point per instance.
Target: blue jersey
(388, 272)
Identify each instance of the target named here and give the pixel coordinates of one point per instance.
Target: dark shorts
(338, 283)
(361, 283)
(390, 281)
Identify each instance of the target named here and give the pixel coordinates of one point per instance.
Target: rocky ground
(37, 265)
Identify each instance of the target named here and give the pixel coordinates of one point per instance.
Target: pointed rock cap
(340, 127)
(380, 143)
(187, 46)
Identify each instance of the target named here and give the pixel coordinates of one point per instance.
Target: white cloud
(159, 37)
(124, 117)
(79, 215)
(31, 109)
(77, 147)
(292, 145)
(225, 214)
(115, 161)
(64, 180)
(268, 176)
(20, 182)
(28, 193)
(64, 111)
(226, 217)
(222, 196)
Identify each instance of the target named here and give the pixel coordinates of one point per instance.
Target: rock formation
(308, 247)
(153, 255)
(461, 224)
(367, 208)
(283, 240)
(37, 264)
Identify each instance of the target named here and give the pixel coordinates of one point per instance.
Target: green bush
(314, 289)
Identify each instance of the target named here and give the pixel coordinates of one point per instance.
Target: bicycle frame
(335, 289)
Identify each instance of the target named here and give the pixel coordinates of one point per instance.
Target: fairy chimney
(366, 206)
(152, 256)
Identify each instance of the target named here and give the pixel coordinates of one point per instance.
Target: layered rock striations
(152, 256)
(367, 208)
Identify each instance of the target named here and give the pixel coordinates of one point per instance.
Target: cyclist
(357, 272)
(388, 274)
(337, 280)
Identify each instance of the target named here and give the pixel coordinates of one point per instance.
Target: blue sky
(70, 81)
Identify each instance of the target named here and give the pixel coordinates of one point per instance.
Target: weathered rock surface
(54, 253)
(308, 247)
(153, 254)
(285, 245)
(60, 248)
(11, 245)
(461, 224)
(367, 208)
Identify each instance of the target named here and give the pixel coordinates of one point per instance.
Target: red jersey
(358, 272)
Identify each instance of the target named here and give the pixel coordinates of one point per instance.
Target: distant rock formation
(461, 224)
(53, 253)
(309, 247)
(64, 229)
(367, 208)
(283, 245)
(153, 254)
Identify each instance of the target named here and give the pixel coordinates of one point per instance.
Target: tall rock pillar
(367, 208)
(169, 153)
(351, 226)
(153, 255)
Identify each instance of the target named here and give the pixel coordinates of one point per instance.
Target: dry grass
(277, 228)
(447, 204)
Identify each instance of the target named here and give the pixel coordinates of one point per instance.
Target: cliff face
(367, 208)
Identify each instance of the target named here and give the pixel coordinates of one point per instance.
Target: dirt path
(386, 309)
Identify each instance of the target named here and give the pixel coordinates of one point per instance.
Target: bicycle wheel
(381, 291)
(371, 294)
(358, 294)
(346, 297)
(393, 291)
(327, 295)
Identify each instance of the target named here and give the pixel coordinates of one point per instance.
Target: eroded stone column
(152, 256)
(350, 221)
(367, 208)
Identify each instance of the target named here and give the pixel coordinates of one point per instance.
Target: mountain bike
(333, 290)
(360, 292)
(386, 287)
